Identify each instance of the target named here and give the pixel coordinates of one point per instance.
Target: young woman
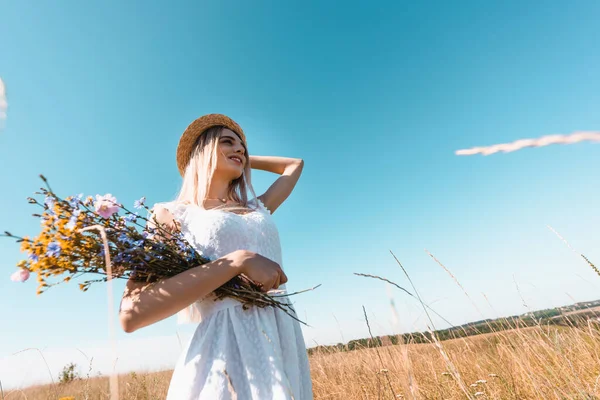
(235, 353)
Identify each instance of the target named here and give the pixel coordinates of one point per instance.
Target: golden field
(540, 362)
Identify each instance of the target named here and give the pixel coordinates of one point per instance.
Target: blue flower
(123, 257)
(49, 202)
(138, 243)
(123, 238)
(76, 212)
(53, 249)
(72, 222)
(139, 203)
(34, 258)
(131, 217)
(74, 201)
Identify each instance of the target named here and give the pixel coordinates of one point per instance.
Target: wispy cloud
(574, 137)
(3, 102)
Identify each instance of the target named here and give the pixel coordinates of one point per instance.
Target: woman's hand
(263, 271)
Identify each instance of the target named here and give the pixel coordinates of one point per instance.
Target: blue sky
(375, 98)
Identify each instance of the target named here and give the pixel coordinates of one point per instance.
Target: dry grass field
(543, 362)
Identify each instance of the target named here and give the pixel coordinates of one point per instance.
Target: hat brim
(195, 129)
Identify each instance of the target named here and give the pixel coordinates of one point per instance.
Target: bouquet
(80, 236)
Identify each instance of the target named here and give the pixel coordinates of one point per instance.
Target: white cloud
(575, 137)
(3, 101)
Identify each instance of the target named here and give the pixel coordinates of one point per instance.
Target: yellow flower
(25, 244)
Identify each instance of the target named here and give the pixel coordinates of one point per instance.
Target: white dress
(237, 354)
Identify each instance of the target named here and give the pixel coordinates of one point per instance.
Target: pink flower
(20, 275)
(106, 205)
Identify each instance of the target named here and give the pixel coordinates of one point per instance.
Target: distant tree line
(535, 318)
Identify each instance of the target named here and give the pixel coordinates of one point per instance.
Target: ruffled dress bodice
(215, 233)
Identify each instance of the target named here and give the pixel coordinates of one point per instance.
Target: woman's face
(231, 155)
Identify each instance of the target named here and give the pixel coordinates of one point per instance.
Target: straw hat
(195, 129)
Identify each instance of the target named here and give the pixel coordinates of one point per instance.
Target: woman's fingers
(268, 285)
(277, 281)
(283, 278)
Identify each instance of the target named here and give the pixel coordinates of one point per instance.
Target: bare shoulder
(162, 215)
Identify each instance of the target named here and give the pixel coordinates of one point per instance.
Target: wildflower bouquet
(80, 236)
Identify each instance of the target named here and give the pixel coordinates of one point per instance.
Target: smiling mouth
(236, 160)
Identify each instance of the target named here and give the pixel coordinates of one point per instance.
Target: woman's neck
(218, 189)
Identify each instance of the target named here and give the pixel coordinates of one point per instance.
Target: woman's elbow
(127, 317)
(127, 322)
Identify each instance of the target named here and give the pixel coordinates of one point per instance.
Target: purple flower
(139, 203)
(74, 201)
(53, 250)
(131, 217)
(33, 258)
(106, 205)
(149, 232)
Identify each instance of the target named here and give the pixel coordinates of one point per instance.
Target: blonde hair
(200, 171)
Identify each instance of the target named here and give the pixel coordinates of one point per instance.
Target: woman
(235, 353)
